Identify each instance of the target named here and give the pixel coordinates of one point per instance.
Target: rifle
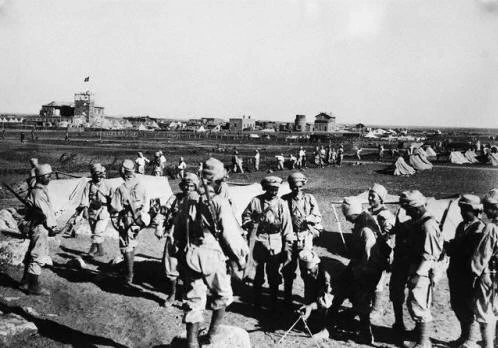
(32, 210)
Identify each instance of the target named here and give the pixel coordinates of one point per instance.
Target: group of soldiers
(206, 246)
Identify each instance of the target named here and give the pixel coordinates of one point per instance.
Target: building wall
(300, 123)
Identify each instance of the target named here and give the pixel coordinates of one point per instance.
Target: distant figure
(200, 168)
(32, 174)
(329, 155)
(162, 159)
(157, 165)
(22, 137)
(323, 156)
(333, 156)
(66, 137)
(32, 134)
(237, 163)
(340, 155)
(292, 161)
(3, 133)
(316, 156)
(358, 153)
(256, 160)
(280, 161)
(141, 161)
(301, 158)
(181, 168)
(381, 153)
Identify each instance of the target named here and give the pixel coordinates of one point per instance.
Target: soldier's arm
(485, 249)
(314, 217)
(247, 214)
(116, 204)
(85, 200)
(433, 247)
(287, 231)
(41, 202)
(369, 239)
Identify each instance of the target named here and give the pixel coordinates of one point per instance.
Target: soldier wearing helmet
(306, 224)
(484, 264)
(163, 223)
(205, 223)
(460, 249)
(132, 206)
(42, 221)
(94, 202)
(267, 219)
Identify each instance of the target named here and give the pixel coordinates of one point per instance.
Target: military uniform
(203, 221)
(484, 265)
(95, 199)
(460, 250)
(42, 221)
(270, 219)
(306, 224)
(131, 203)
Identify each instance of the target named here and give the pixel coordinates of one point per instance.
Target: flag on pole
(87, 79)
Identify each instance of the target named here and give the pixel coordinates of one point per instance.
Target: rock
(227, 337)
(12, 251)
(7, 221)
(11, 325)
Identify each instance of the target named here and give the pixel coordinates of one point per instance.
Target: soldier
(385, 219)
(141, 161)
(94, 202)
(131, 203)
(164, 222)
(460, 278)
(257, 157)
(32, 173)
(340, 155)
(426, 248)
(157, 164)
(267, 219)
(306, 224)
(42, 224)
(359, 280)
(204, 223)
(301, 158)
(484, 266)
(181, 167)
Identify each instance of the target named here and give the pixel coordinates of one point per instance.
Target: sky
(391, 62)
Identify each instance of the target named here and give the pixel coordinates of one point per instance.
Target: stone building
(242, 124)
(324, 123)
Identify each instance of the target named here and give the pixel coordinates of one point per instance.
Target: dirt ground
(91, 308)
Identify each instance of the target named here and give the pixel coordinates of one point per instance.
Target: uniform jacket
(95, 199)
(40, 199)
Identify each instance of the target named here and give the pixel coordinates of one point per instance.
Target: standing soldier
(257, 158)
(42, 223)
(359, 280)
(164, 222)
(460, 278)
(301, 158)
(385, 219)
(484, 266)
(32, 173)
(267, 220)
(131, 204)
(203, 225)
(157, 164)
(426, 248)
(141, 161)
(340, 155)
(94, 202)
(181, 168)
(306, 224)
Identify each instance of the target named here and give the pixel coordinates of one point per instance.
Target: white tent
(430, 152)
(201, 129)
(493, 158)
(471, 156)
(370, 135)
(456, 157)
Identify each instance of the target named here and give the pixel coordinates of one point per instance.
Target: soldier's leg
(289, 270)
(93, 247)
(260, 254)
(194, 305)
(37, 258)
(274, 277)
(460, 295)
(127, 243)
(171, 271)
(23, 284)
(484, 309)
(98, 235)
(220, 286)
(397, 287)
(419, 303)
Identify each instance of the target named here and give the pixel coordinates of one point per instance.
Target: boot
(366, 334)
(288, 293)
(377, 310)
(423, 339)
(34, 287)
(488, 334)
(218, 315)
(24, 283)
(100, 249)
(465, 335)
(399, 325)
(93, 249)
(193, 335)
(171, 292)
(128, 261)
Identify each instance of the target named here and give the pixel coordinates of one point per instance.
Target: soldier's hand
(304, 311)
(84, 213)
(413, 281)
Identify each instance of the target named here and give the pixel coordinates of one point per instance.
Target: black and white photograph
(248, 173)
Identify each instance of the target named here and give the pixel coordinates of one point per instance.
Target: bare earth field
(90, 308)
